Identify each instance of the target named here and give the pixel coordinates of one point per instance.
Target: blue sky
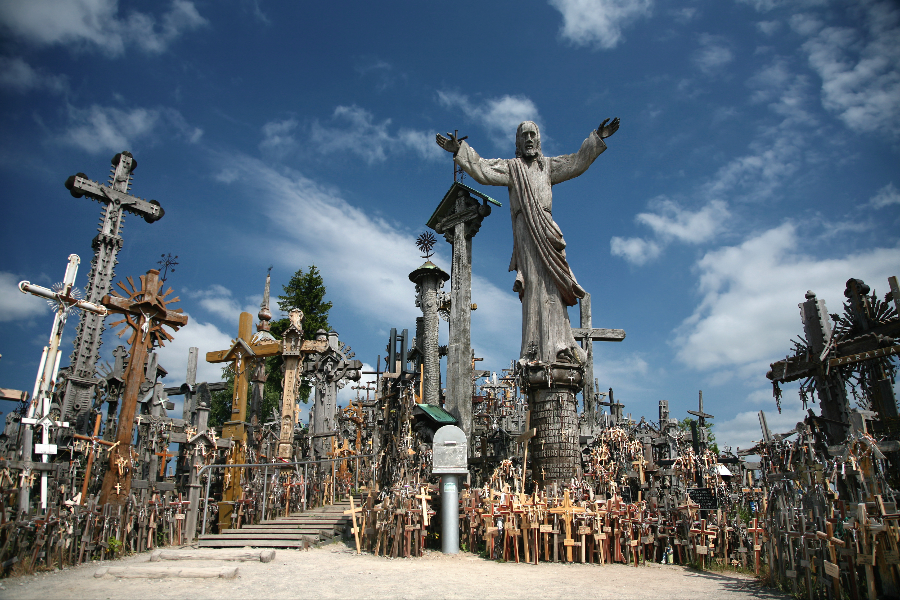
(757, 158)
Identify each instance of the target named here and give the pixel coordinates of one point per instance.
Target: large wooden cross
(242, 354)
(587, 335)
(144, 313)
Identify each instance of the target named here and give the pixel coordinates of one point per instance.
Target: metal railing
(278, 466)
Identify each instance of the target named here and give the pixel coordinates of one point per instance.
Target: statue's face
(528, 138)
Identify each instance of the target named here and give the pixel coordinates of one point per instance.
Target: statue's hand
(451, 144)
(606, 128)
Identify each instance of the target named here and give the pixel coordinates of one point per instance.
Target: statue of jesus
(544, 280)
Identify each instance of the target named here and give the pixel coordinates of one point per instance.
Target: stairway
(299, 530)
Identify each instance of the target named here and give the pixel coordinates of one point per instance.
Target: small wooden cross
(352, 512)
(756, 530)
(165, 456)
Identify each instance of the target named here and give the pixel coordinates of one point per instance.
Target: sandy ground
(335, 571)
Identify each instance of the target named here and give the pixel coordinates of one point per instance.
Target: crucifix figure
(144, 313)
(64, 298)
(544, 281)
(116, 201)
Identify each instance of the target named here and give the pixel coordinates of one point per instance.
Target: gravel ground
(335, 571)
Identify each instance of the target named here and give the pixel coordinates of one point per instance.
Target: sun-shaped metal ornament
(425, 242)
(148, 313)
(68, 303)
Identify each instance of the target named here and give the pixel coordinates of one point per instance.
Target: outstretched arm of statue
(450, 144)
(606, 128)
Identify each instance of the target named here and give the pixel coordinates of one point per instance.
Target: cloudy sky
(757, 159)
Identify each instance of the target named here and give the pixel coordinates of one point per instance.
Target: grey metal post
(450, 514)
(265, 497)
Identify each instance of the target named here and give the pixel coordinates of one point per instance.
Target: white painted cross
(39, 409)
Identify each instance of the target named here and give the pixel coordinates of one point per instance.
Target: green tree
(685, 425)
(306, 291)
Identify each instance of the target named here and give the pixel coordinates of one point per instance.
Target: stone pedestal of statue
(552, 390)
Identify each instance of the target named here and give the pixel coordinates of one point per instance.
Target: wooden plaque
(632, 542)
(790, 574)
(831, 569)
(757, 547)
(599, 536)
(568, 542)
(892, 557)
(702, 550)
(584, 530)
(865, 559)
(546, 528)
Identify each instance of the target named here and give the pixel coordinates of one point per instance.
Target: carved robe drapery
(544, 281)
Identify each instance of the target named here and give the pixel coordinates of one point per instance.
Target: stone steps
(298, 530)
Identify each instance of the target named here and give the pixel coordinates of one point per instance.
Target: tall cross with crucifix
(80, 378)
(144, 312)
(64, 297)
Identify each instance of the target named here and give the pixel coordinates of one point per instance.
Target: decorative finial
(265, 315)
(425, 243)
(168, 264)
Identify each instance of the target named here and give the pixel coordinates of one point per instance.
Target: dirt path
(335, 571)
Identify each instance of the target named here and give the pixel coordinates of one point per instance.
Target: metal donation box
(449, 451)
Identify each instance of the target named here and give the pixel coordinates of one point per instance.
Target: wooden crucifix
(145, 311)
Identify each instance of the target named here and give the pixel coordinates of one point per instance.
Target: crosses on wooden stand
(144, 313)
(95, 441)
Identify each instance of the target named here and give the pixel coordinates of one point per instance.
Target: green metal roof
(437, 414)
(447, 202)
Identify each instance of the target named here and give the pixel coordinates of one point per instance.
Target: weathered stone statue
(544, 281)
(551, 364)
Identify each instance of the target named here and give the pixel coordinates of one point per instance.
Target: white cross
(45, 449)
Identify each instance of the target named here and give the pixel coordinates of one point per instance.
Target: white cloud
(786, 92)
(18, 75)
(713, 54)
(499, 116)
(637, 251)
(768, 5)
(748, 311)
(768, 27)
(370, 140)
(671, 222)
(16, 306)
(205, 336)
(219, 300)
(885, 197)
(278, 136)
(107, 128)
(859, 67)
(744, 430)
(97, 24)
(599, 23)
(305, 220)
